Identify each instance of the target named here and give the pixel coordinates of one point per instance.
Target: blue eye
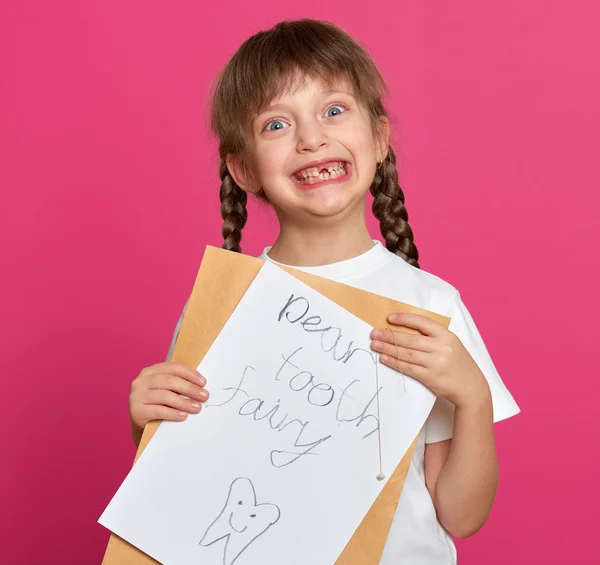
(268, 128)
(273, 125)
(336, 107)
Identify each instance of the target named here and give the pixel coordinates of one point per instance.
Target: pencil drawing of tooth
(241, 521)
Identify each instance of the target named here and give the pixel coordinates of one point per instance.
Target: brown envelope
(222, 280)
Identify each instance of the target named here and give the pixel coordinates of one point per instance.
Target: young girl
(299, 116)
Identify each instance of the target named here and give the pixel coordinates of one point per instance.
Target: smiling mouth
(337, 172)
(233, 527)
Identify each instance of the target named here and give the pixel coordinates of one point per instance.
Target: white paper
(280, 466)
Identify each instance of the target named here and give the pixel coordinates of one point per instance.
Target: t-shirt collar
(341, 269)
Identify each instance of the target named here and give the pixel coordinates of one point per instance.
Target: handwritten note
(280, 466)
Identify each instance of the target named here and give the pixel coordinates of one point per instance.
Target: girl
(299, 116)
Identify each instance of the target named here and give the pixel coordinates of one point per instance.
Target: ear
(240, 173)
(382, 138)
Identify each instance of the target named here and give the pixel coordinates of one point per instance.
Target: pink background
(109, 195)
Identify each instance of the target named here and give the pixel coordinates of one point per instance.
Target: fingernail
(376, 333)
(196, 406)
(183, 415)
(202, 380)
(203, 394)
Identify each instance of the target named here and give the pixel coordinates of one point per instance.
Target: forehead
(318, 85)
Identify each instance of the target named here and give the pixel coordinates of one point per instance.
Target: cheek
(360, 139)
(368, 147)
(272, 162)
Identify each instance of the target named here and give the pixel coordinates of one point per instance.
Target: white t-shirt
(416, 537)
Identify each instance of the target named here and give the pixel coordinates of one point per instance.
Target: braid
(389, 209)
(233, 210)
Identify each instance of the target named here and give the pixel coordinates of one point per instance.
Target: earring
(379, 164)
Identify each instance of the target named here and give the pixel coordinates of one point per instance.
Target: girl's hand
(156, 394)
(437, 358)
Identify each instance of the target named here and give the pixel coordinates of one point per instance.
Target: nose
(311, 136)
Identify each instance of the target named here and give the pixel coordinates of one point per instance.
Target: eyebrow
(335, 91)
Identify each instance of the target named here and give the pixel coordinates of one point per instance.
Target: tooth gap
(340, 169)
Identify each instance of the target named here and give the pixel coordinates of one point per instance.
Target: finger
(425, 325)
(178, 370)
(417, 372)
(171, 400)
(417, 342)
(178, 385)
(408, 355)
(165, 413)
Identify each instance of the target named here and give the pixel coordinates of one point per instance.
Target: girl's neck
(311, 248)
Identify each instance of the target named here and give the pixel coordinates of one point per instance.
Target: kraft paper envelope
(222, 280)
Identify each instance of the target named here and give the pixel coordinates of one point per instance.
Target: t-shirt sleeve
(176, 333)
(440, 422)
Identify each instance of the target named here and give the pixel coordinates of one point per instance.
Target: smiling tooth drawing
(241, 521)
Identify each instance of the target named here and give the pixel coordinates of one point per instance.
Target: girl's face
(314, 154)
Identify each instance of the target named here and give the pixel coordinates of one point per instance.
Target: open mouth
(335, 170)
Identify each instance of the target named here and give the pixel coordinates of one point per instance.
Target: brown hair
(271, 63)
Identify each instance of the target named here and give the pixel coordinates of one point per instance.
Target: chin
(328, 201)
(336, 207)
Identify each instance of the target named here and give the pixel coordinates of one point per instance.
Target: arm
(137, 431)
(462, 473)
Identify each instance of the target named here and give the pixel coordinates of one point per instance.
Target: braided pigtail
(233, 210)
(389, 209)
